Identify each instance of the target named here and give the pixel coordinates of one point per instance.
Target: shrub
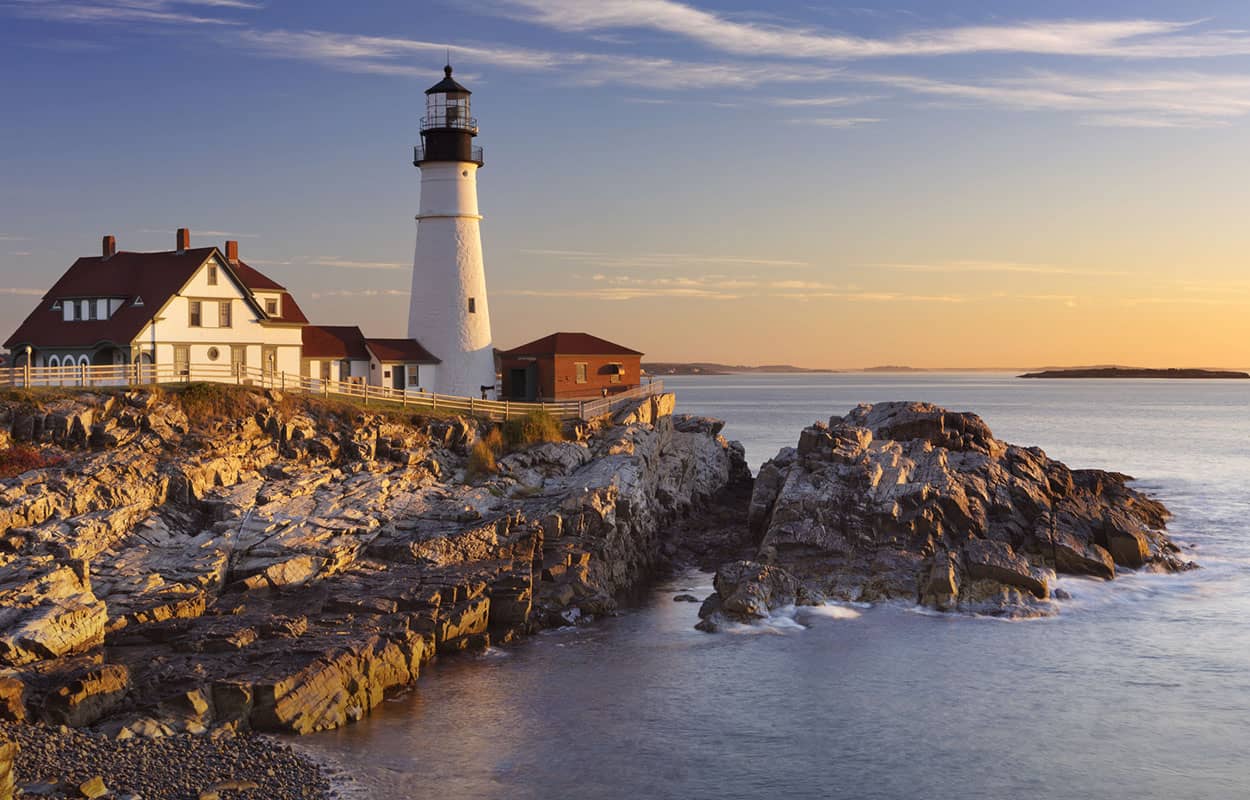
(201, 401)
(535, 427)
(21, 458)
(481, 460)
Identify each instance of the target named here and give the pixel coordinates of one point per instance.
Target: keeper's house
(183, 306)
(569, 366)
(195, 307)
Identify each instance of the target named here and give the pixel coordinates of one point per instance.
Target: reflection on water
(1139, 689)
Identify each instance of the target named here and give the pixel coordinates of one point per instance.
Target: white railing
(147, 374)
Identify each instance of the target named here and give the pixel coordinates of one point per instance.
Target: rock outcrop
(911, 502)
(281, 563)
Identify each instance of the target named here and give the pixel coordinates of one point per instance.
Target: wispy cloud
(1138, 99)
(22, 292)
(361, 293)
(836, 101)
(198, 232)
(11, 237)
(834, 122)
(343, 263)
(661, 260)
(1129, 38)
(163, 12)
(997, 267)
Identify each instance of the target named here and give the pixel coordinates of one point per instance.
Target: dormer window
(56, 305)
(271, 306)
(138, 302)
(212, 274)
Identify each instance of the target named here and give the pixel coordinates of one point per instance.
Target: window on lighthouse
(472, 305)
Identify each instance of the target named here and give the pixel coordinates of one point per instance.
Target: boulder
(996, 561)
(8, 777)
(88, 697)
(910, 501)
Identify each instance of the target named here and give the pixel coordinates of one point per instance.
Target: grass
(534, 428)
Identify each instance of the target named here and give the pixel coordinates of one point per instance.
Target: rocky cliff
(228, 557)
(908, 501)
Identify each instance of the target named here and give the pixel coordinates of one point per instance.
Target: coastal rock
(282, 563)
(88, 697)
(911, 502)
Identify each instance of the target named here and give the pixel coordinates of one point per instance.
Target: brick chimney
(183, 240)
(109, 247)
(232, 253)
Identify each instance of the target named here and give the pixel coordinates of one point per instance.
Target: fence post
(82, 374)
(284, 380)
(403, 398)
(26, 372)
(472, 409)
(507, 410)
(434, 401)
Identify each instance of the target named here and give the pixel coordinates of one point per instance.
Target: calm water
(1139, 689)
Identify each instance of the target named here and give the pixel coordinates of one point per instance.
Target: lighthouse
(448, 312)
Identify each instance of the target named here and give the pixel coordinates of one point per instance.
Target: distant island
(1131, 372)
(711, 368)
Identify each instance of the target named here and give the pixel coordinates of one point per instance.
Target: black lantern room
(448, 127)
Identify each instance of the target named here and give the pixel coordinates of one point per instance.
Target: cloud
(1000, 267)
(360, 293)
(394, 56)
(836, 101)
(662, 260)
(1129, 38)
(195, 232)
(834, 122)
(22, 292)
(1168, 99)
(11, 237)
(164, 12)
(347, 264)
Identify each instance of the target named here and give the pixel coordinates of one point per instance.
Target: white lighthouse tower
(449, 313)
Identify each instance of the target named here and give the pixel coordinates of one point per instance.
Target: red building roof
(571, 344)
(334, 341)
(152, 278)
(393, 350)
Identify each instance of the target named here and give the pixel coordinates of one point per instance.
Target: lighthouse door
(398, 372)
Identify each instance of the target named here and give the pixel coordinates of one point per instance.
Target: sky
(933, 183)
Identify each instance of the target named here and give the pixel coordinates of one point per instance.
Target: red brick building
(569, 366)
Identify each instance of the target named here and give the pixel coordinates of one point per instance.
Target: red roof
(254, 280)
(409, 350)
(334, 341)
(152, 277)
(571, 344)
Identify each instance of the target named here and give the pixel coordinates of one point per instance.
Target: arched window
(53, 361)
(84, 361)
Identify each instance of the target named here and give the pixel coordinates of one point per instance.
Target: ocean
(1139, 688)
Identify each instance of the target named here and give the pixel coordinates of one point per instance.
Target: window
(615, 370)
(271, 306)
(223, 314)
(84, 310)
(138, 301)
(325, 370)
(196, 318)
(212, 274)
(581, 371)
(213, 353)
(414, 375)
(472, 305)
(68, 311)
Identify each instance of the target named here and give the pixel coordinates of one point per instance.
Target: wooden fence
(147, 374)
